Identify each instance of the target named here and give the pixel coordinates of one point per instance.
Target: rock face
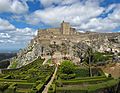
(65, 37)
(27, 55)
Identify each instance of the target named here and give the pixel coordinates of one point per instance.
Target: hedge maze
(31, 78)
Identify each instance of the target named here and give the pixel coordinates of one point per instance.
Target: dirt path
(113, 70)
(50, 82)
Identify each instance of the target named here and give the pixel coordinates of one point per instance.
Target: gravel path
(50, 82)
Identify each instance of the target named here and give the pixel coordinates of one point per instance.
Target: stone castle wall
(65, 29)
(67, 33)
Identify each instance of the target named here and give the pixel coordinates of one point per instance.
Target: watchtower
(65, 28)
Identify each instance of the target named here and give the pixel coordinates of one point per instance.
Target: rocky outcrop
(27, 55)
(98, 41)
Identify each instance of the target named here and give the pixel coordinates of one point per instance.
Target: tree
(64, 49)
(67, 67)
(80, 49)
(89, 56)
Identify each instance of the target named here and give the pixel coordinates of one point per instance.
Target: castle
(40, 45)
(65, 29)
(99, 41)
(58, 35)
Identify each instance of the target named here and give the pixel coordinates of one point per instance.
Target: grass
(13, 65)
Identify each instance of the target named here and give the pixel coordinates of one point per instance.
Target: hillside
(113, 69)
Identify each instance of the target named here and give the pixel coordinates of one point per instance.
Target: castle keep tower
(65, 28)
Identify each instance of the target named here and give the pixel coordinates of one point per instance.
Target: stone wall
(55, 31)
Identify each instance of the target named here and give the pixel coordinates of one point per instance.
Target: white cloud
(5, 25)
(4, 35)
(108, 24)
(23, 35)
(47, 3)
(98, 24)
(82, 14)
(1, 41)
(11, 34)
(76, 14)
(13, 6)
(115, 16)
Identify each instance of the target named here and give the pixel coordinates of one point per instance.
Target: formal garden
(85, 77)
(78, 79)
(31, 78)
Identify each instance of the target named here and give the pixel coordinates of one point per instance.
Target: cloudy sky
(20, 19)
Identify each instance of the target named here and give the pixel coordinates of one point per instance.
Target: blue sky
(20, 19)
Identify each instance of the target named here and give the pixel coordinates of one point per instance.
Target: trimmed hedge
(67, 76)
(23, 77)
(52, 89)
(70, 90)
(3, 87)
(40, 87)
(8, 77)
(11, 88)
(25, 85)
(94, 88)
(105, 85)
(12, 80)
(83, 80)
(81, 72)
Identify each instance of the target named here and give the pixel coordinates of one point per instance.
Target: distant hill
(4, 59)
(4, 56)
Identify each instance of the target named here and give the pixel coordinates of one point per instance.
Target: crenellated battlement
(65, 29)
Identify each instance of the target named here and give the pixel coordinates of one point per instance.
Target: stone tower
(65, 28)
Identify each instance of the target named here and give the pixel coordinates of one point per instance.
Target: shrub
(3, 86)
(34, 87)
(58, 83)
(67, 67)
(67, 76)
(38, 82)
(52, 89)
(24, 85)
(8, 77)
(40, 87)
(11, 88)
(99, 57)
(81, 72)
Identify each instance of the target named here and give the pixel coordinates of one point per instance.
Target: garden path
(50, 82)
